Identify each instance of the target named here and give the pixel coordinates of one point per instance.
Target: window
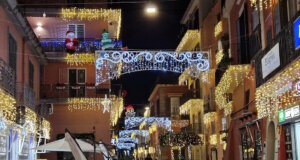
(78, 30)
(255, 19)
(77, 82)
(224, 127)
(31, 74)
(12, 49)
(213, 129)
(247, 98)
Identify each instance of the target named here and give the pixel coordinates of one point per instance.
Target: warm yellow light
(7, 106)
(213, 139)
(80, 59)
(219, 56)
(151, 10)
(218, 28)
(191, 36)
(209, 117)
(187, 106)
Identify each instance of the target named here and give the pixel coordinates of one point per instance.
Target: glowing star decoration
(112, 64)
(106, 104)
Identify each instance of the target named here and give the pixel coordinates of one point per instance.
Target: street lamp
(151, 9)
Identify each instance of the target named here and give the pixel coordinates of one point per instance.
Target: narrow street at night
(149, 79)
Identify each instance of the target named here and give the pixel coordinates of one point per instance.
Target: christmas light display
(219, 56)
(218, 28)
(92, 104)
(213, 139)
(261, 4)
(179, 139)
(127, 146)
(124, 140)
(127, 133)
(80, 59)
(115, 63)
(209, 117)
(191, 36)
(180, 123)
(116, 110)
(133, 122)
(109, 15)
(7, 106)
(278, 92)
(232, 78)
(187, 106)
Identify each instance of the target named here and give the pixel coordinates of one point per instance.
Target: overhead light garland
(278, 92)
(115, 63)
(132, 122)
(232, 78)
(190, 104)
(110, 15)
(116, 111)
(91, 104)
(128, 133)
(127, 146)
(209, 117)
(126, 140)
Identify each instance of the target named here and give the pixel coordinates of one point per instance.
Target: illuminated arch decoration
(112, 64)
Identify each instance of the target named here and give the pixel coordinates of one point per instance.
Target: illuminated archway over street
(112, 64)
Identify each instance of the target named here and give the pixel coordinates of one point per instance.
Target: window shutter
(72, 27)
(80, 31)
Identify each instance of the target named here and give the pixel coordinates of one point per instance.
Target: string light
(46, 128)
(218, 28)
(92, 104)
(278, 92)
(31, 117)
(219, 56)
(115, 63)
(190, 104)
(232, 78)
(209, 117)
(124, 140)
(132, 122)
(127, 146)
(191, 36)
(116, 111)
(7, 106)
(180, 123)
(80, 59)
(213, 139)
(128, 133)
(263, 4)
(109, 15)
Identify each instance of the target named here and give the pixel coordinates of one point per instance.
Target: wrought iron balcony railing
(7, 78)
(61, 91)
(85, 46)
(25, 96)
(195, 128)
(287, 53)
(190, 94)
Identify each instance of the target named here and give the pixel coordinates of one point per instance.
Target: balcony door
(77, 82)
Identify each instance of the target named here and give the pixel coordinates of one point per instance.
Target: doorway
(271, 141)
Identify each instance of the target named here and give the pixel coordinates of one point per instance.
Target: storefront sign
(270, 61)
(297, 89)
(297, 33)
(289, 113)
(281, 116)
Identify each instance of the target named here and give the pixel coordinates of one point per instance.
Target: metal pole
(94, 141)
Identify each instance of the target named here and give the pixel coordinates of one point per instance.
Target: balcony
(287, 52)
(7, 78)
(25, 96)
(85, 46)
(190, 94)
(193, 128)
(63, 91)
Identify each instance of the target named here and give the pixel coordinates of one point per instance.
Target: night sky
(140, 31)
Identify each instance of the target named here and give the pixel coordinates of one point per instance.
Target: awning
(62, 145)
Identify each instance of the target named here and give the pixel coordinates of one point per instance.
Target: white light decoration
(112, 64)
(2, 122)
(131, 140)
(163, 122)
(127, 146)
(106, 103)
(127, 133)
